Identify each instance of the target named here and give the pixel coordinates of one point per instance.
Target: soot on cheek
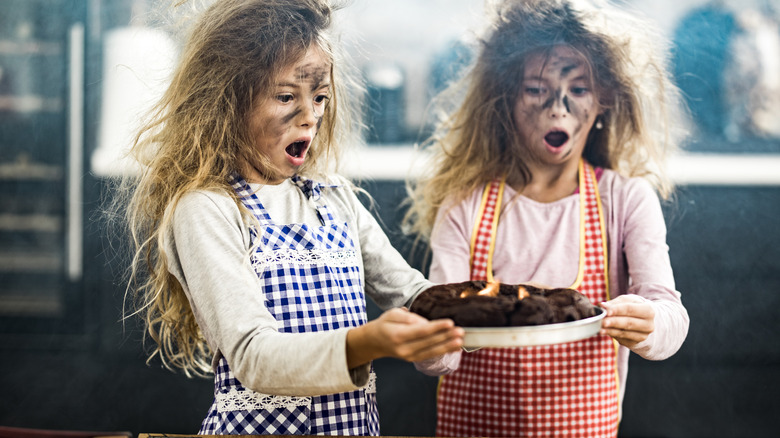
(288, 117)
(530, 116)
(580, 114)
(576, 109)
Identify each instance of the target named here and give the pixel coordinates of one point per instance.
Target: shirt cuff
(360, 374)
(440, 365)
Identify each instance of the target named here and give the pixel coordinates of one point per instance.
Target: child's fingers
(432, 346)
(430, 327)
(436, 350)
(629, 305)
(431, 332)
(630, 319)
(402, 332)
(625, 335)
(629, 324)
(628, 331)
(404, 316)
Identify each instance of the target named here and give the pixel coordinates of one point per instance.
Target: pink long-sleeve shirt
(539, 242)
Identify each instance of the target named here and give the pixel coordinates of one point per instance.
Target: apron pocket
(270, 414)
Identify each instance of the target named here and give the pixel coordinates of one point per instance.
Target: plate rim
(532, 336)
(543, 327)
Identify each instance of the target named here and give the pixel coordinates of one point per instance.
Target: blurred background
(76, 74)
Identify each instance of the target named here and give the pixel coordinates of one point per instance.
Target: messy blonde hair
(198, 135)
(476, 141)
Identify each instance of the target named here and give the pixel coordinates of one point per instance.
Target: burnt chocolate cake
(483, 304)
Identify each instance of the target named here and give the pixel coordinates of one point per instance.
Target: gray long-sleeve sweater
(207, 249)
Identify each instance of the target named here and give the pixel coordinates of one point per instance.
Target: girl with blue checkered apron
(548, 173)
(287, 284)
(253, 260)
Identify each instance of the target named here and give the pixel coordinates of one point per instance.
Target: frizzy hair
(475, 138)
(198, 134)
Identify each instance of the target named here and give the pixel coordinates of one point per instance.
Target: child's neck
(551, 183)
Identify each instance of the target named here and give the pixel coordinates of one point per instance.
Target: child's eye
(321, 99)
(284, 98)
(535, 91)
(579, 91)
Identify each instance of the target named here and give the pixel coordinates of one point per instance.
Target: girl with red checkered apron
(537, 391)
(253, 260)
(548, 171)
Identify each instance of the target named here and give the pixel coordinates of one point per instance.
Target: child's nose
(560, 106)
(308, 116)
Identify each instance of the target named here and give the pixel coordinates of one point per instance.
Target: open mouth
(296, 149)
(556, 138)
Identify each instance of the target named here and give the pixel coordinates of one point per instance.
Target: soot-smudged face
(285, 119)
(556, 107)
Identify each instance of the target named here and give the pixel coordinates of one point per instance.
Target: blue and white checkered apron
(311, 282)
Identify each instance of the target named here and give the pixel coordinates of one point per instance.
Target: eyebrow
(582, 77)
(298, 85)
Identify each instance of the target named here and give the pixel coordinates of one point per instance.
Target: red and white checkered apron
(563, 390)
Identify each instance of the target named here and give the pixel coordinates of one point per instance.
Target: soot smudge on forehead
(566, 71)
(314, 74)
